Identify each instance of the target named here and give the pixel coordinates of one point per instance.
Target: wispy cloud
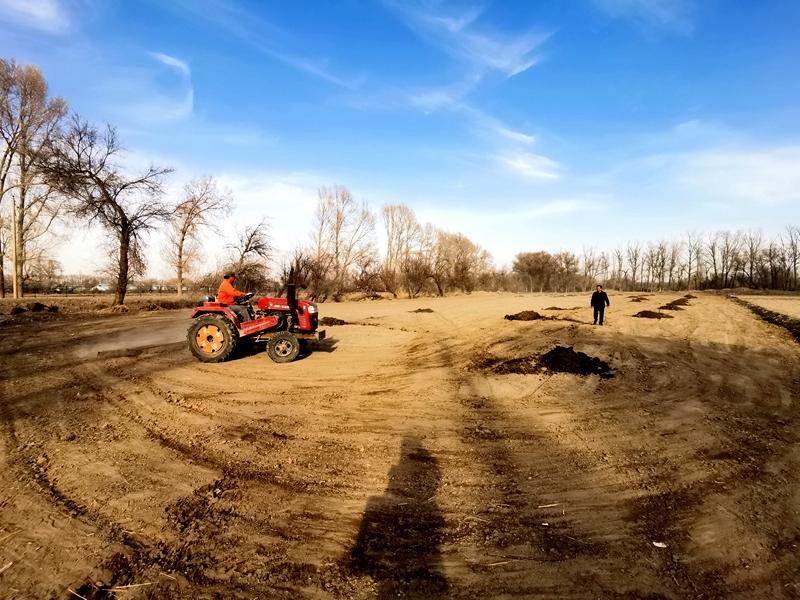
(175, 63)
(675, 16)
(443, 97)
(183, 107)
(531, 165)
(43, 15)
(759, 176)
(265, 37)
(457, 34)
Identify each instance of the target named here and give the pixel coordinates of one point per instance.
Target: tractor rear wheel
(212, 338)
(283, 347)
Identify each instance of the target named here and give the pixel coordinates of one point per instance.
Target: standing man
(599, 303)
(227, 294)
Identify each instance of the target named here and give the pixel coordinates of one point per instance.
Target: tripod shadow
(398, 544)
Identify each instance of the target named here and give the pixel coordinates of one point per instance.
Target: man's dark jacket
(600, 300)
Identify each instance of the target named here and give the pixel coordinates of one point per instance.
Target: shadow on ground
(398, 543)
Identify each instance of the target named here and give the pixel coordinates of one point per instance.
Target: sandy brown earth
(787, 305)
(390, 463)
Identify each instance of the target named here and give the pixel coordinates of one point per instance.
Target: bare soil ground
(385, 463)
(89, 303)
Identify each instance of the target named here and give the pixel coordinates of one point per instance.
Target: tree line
(57, 166)
(717, 260)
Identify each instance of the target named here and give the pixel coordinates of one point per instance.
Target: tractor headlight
(312, 310)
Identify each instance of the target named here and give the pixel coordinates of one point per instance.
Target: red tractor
(283, 323)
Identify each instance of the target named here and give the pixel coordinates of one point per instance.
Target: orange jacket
(227, 294)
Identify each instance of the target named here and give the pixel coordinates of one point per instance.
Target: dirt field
(394, 462)
(787, 305)
(73, 304)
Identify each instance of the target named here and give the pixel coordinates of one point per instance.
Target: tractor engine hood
(282, 304)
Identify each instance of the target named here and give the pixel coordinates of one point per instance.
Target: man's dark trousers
(240, 311)
(598, 311)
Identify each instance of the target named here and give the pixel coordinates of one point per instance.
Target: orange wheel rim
(209, 339)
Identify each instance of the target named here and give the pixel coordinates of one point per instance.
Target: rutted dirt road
(387, 462)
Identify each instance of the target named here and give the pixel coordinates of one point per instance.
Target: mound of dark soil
(791, 324)
(564, 359)
(559, 308)
(675, 304)
(36, 307)
(331, 321)
(422, 310)
(637, 298)
(649, 314)
(528, 315)
(690, 297)
(561, 359)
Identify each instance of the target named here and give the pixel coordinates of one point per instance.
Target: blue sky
(525, 125)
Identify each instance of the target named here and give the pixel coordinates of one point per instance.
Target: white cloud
(515, 136)
(675, 16)
(181, 66)
(44, 15)
(534, 166)
(457, 35)
(286, 200)
(765, 176)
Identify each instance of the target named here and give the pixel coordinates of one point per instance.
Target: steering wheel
(245, 298)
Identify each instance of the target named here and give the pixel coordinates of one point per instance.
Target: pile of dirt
(637, 298)
(561, 359)
(670, 306)
(690, 297)
(649, 314)
(116, 309)
(36, 307)
(331, 321)
(528, 315)
(564, 359)
(422, 310)
(791, 324)
(559, 308)
(675, 304)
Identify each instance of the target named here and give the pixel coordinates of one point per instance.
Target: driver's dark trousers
(241, 312)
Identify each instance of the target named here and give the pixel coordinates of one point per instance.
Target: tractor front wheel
(212, 338)
(283, 347)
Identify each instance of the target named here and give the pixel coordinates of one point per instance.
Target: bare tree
(537, 269)
(202, 203)
(589, 263)
(81, 166)
(634, 253)
(342, 234)
(693, 250)
(4, 239)
(250, 253)
(792, 244)
(673, 264)
(620, 274)
(753, 242)
(402, 234)
(28, 121)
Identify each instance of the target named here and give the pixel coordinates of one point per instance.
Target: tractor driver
(227, 294)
